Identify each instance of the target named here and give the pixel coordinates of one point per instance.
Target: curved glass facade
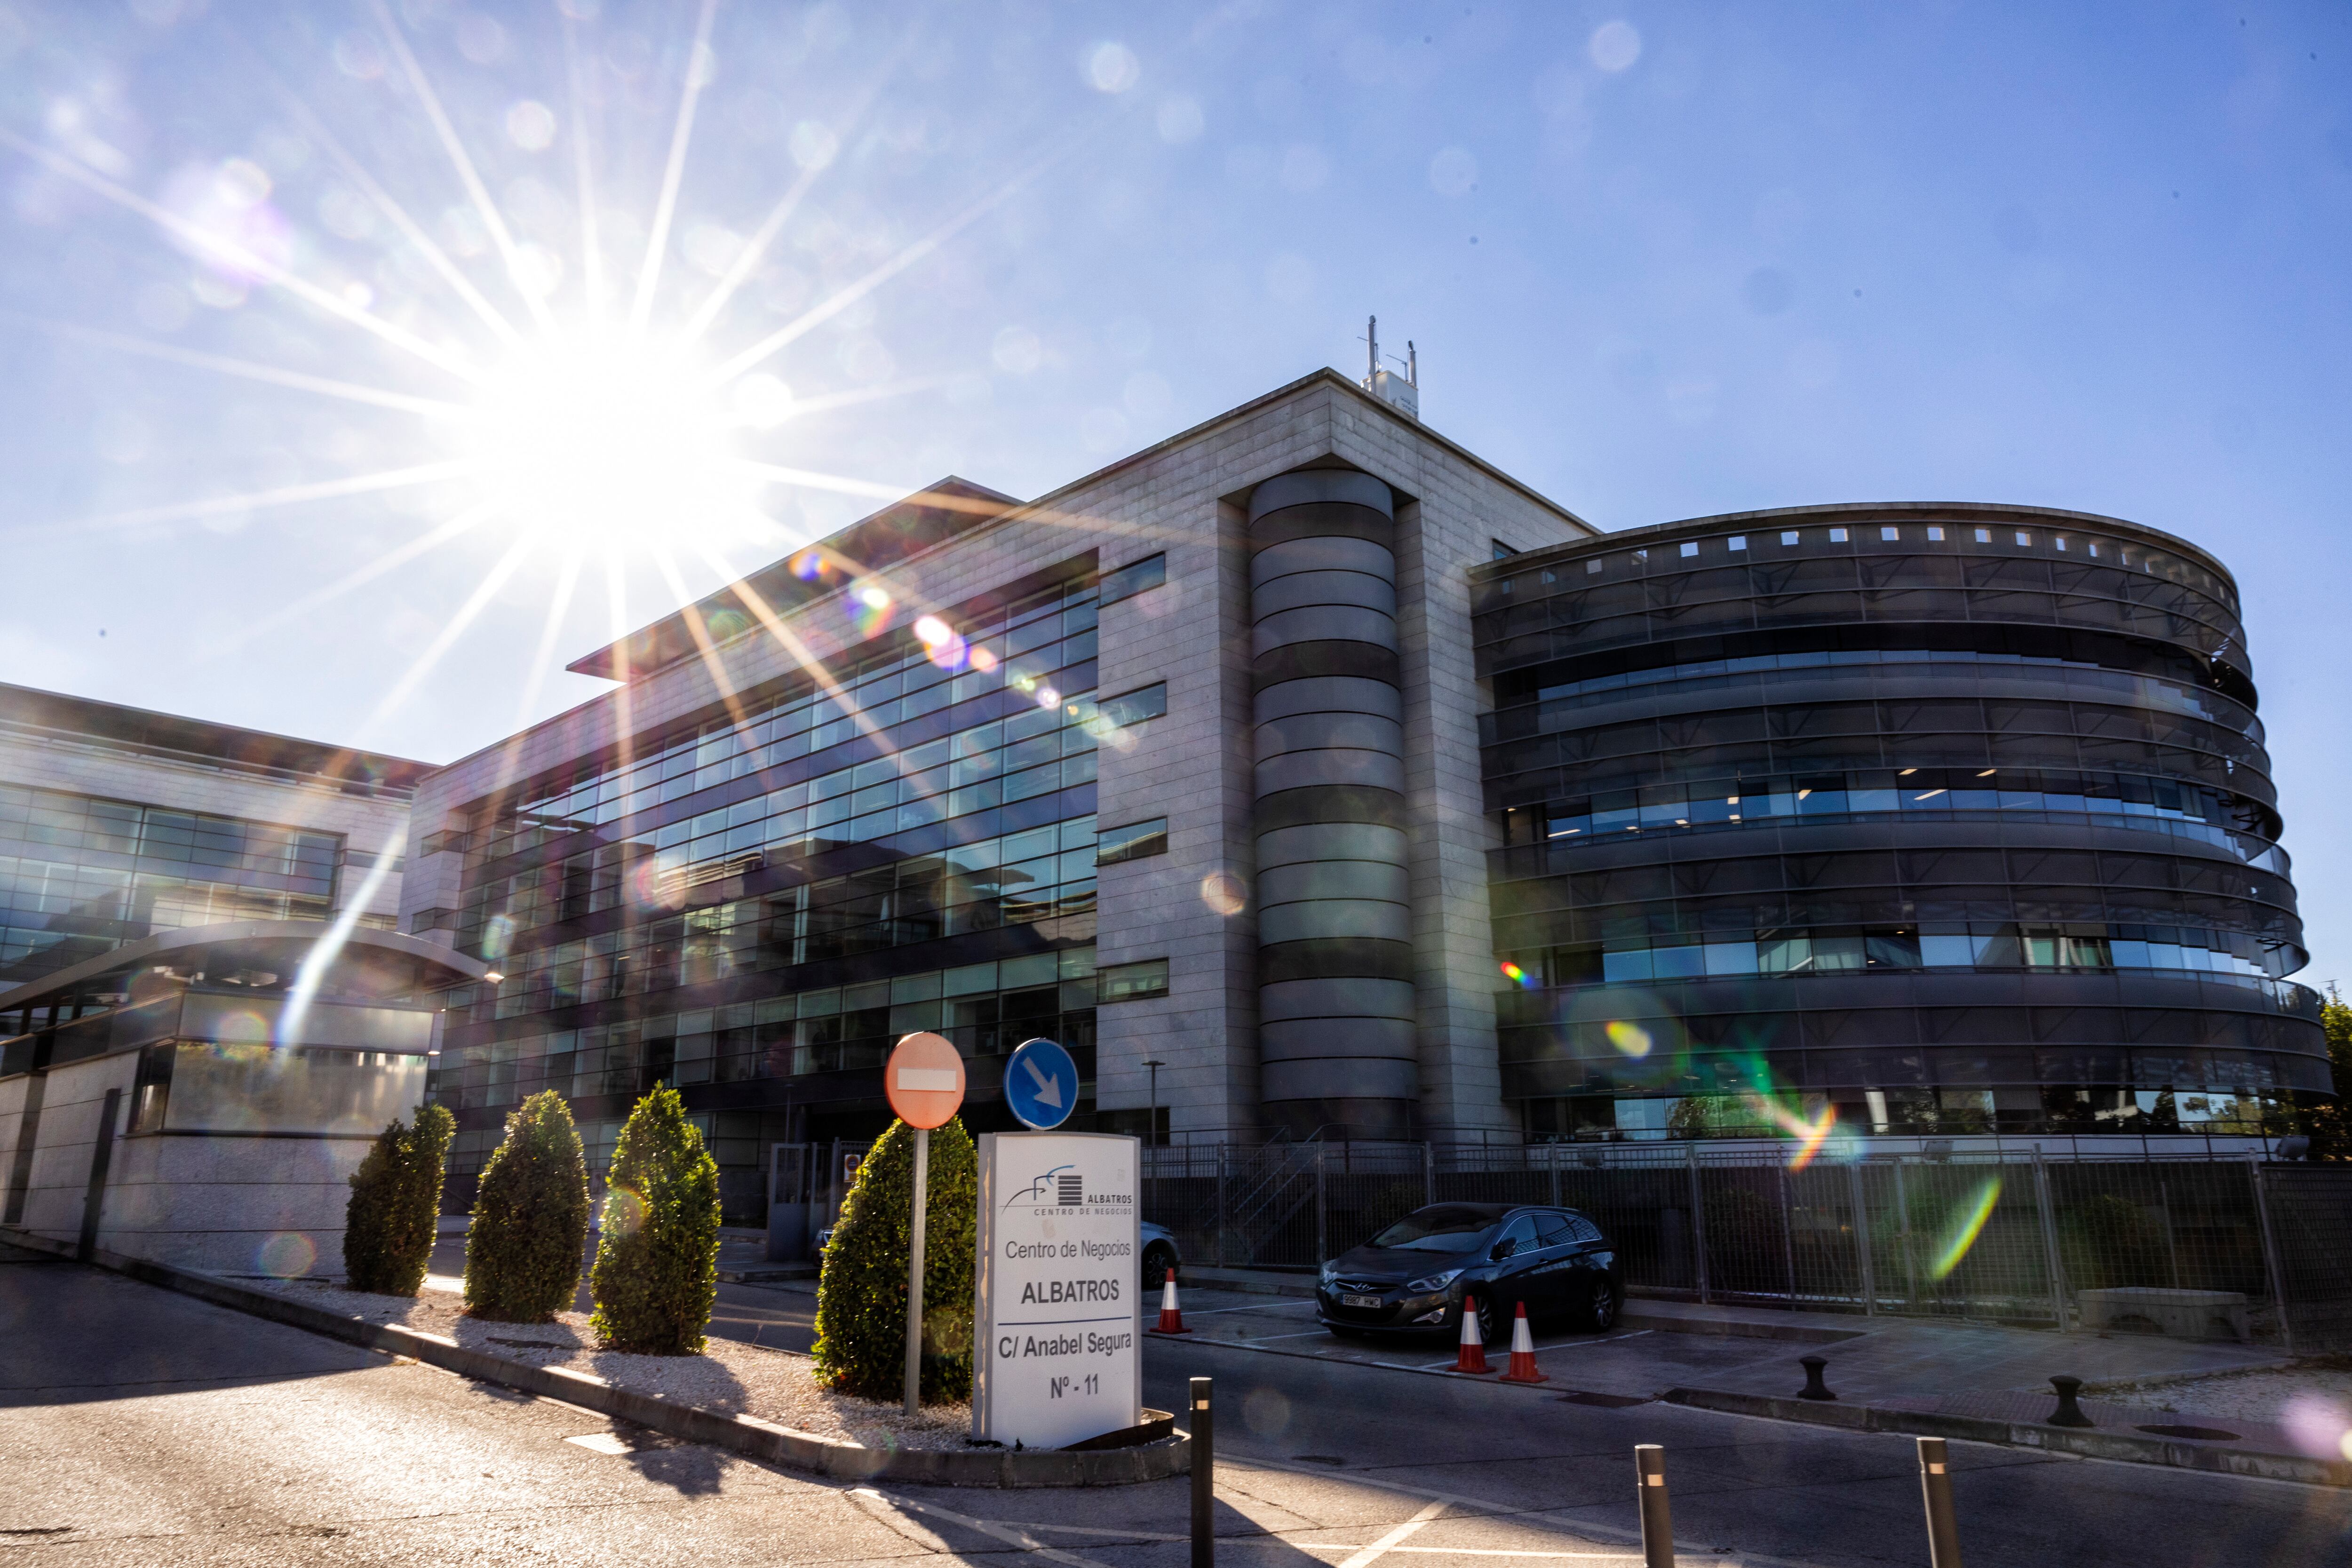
(1951, 819)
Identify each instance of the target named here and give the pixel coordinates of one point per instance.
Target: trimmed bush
(861, 1296)
(656, 1270)
(531, 1217)
(394, 1213)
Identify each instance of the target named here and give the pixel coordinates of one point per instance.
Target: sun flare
(610, 445)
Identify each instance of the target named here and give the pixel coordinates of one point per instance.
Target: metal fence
(2237, 1246)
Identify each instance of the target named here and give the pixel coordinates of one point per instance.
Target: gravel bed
(2262, 1395)
(774, 1385)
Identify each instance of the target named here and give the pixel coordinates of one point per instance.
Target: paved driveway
(138, 1427)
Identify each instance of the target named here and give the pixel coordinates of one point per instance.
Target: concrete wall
(227, 1206)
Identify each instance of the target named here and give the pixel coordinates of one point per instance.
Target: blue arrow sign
(1041, 1084)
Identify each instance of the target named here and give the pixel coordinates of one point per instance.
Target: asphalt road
(137, 1426)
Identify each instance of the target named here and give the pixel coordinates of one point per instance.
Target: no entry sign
(924, 1082)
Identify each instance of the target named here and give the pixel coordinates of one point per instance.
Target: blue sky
(1659, 261)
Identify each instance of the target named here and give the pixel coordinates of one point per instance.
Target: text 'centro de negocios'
(1022, 1249)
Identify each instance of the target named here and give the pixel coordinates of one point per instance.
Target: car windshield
(1437, 1230)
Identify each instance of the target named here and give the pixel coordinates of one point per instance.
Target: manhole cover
(2202, 1433)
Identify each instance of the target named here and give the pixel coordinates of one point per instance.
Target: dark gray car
(1415, 1275)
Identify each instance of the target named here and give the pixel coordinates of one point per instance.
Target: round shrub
(531, 1217)
(656, 1270)
(394, 1213)
(861, 1296)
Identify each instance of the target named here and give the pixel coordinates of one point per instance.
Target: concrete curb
(2088, 1442)
(748, 1434)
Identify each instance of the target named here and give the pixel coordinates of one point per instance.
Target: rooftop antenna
(1402, 393)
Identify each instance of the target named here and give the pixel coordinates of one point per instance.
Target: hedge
(531, 1217)
(394, 1212)
(861, 1298)
(656, 1272)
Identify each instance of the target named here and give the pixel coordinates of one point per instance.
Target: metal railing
(2240, 1246)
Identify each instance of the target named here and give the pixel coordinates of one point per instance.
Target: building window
(1132, 842)
(1134, 707)
(1690, 547)
(1134, 577)
(1502, 551)
(1132, 981)
(1739, 542)
(1837, 536)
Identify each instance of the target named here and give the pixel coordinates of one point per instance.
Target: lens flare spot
(497, 936)
(931, 631)
(2317, 1426)
(1961, 1231)
(984, 661)
(1810, 1136)
(1518, 976)
(287, 1256)
(1265, 1413)
(623, 1211)
(1048, 697)
(1631, 1039)
(1224, 893)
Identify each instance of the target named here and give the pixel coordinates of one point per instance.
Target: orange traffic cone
(1523, 1352)
(1472, 1356)
(1172, 1321)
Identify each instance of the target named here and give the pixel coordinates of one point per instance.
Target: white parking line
(1255, 1307)
(1579, 1344)
(1370, 1554)
(1476, 1552)
(1261, 1339)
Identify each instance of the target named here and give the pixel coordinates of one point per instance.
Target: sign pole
(915, 1273)
(924, 1079)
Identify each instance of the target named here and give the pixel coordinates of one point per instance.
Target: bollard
(1205, 1477)
(2068, 1412)
(1936, 1486)
(1814, 1387)
(1657, 1518)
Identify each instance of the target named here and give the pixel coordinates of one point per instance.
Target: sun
(613, 444)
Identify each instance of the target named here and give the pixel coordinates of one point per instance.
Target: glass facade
(753, 905)
(1945, 825)
(80, 876)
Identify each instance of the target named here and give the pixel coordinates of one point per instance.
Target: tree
(861, 1297)
(656, 1272)
(531, 1217)
(394, 1212)
(2329, 1121)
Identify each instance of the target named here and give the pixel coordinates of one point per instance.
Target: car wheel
(1157, 1262)
(1600, 1306)
(1488, 1318)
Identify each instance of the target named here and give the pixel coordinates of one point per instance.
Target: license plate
(1360, 1301)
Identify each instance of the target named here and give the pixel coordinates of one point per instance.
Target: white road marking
(1370, 1554)
(601, 1442)
(1475, 1551)
(874, 1503)
(1255, 1307)
(1580, 1344)
(1485, 1507)
(1261, 1339)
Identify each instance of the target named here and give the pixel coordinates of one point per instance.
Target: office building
(1257, 768)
